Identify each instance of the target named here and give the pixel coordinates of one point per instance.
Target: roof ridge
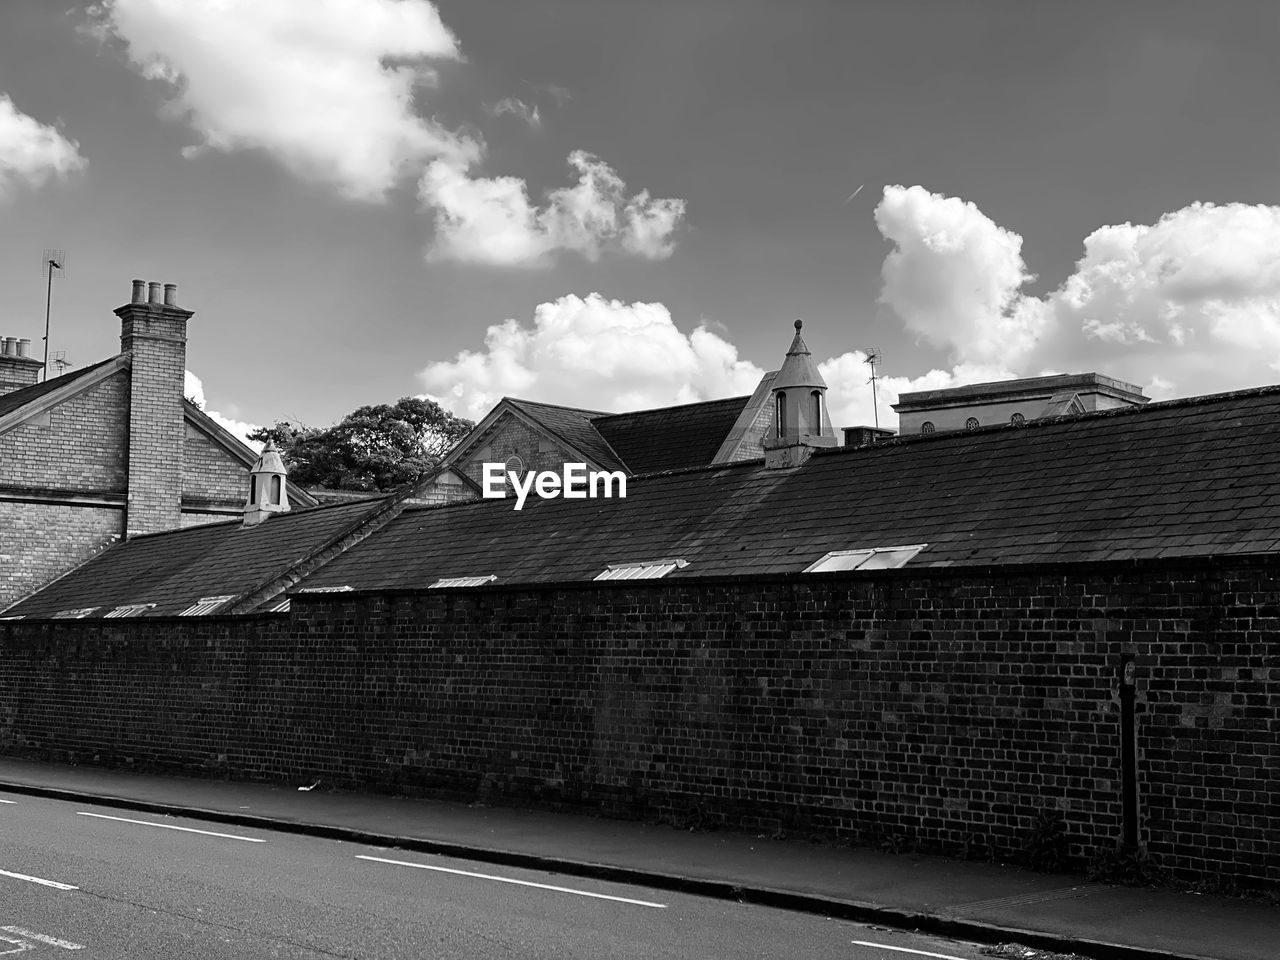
(675, 406)
(557, 406)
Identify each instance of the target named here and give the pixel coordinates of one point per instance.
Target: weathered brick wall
(948, 708)
(209, 472)
(78, 445)
(41, 541)
(511, 437)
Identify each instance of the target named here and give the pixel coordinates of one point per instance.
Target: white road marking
(522, 883)
(170, 826)
(8, 801)
(52, 941)
(923, 953)
(20, 946)
(48, 883)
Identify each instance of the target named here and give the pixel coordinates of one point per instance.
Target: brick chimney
(17, 370)
(153, 331)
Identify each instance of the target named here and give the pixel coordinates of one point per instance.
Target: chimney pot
(6, 346)
(153, 292)
(22, 347)
(171, 294)
(139, 291)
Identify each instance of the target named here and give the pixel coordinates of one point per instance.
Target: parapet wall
(948, 708)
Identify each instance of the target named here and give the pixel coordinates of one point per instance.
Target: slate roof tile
(20, 398)
(671, 438)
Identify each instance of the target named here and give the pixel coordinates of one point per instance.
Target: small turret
(267, 488)
(800, 420)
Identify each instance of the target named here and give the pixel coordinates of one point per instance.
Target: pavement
(982, 902)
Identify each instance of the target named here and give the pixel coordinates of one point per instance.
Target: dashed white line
(8, 801)
(48, 883)
(922, 953)
(51, 941)
(522, 883)
(170, 826)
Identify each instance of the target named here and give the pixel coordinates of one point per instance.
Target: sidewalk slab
(975, 901)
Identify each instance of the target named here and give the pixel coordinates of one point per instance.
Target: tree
(372, 448)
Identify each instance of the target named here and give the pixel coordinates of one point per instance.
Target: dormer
(268, 492)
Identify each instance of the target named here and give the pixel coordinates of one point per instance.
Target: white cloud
(515, 107)
(193, 390)
(1185, 306)
(326, 87)
(31, 152)
(594, 353)
(491, 219)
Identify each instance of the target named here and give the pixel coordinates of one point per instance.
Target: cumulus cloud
(491, 220)
(513, 106)
(31, 152)
(1187, 305)
(325, 87)
(594, 353)
(193, 390)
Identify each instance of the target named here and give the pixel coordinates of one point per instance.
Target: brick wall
(511, 437)
(40, 541)
(210, 473)
(948, 708)
(78, 445)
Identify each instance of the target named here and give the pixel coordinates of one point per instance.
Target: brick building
(110, 451)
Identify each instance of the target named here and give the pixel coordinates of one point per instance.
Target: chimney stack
(17, 370)
(153, 332)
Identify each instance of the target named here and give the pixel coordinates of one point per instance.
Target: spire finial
(799, 324)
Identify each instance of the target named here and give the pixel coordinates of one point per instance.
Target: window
(643, 570)
(815, 410)
(971, 423)
(78, 614)
(281, 607)
(927, 428)
(871, 558)
(275, 488)
(253, 491)
(780, 414)
(206, 605)
(1018, 420)
(448, 583)
(129, 610)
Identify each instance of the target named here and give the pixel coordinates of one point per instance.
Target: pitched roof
(572, 425)
(1180, 478)
(670, 438)
(20, 398)
(174, 570)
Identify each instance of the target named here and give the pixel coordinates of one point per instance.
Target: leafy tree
(372, 448)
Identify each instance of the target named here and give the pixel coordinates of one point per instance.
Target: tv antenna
(871, 359)
(52, 264)
(59, 360)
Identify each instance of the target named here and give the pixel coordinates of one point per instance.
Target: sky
(621, 205)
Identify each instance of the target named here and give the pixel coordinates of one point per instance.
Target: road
(82, 881)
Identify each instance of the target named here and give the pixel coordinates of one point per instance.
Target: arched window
(815, 410)
(275, 488)
(780, 414)
(927, 428)
(971, 423)
(1018, 420)
(253, 490)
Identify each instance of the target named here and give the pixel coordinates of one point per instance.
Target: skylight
(642, 570)
(342, 589)
(77, 614)
(206, 605)
(129, 610)
(281, 607)
(871, 558)
(450, 582)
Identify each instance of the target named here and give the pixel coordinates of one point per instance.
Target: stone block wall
(949, 707)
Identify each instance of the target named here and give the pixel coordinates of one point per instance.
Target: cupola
(267, 487)
(800, 420)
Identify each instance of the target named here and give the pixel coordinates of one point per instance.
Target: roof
(176, 569)
(798, 369)
(670, 438)
(573, 426)
(1023, 388)
(1180, 478)
(20, 398)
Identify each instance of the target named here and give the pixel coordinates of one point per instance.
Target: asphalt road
(83, 881)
